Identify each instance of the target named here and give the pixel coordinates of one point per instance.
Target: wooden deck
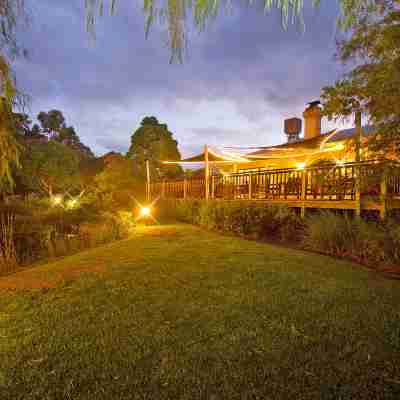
(369, 185)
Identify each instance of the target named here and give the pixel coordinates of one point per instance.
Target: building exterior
(337, 146)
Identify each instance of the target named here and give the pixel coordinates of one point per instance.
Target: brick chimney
(312, 119)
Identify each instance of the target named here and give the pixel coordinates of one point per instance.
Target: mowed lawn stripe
(180, 313)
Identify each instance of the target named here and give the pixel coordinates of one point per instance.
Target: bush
(368, 242)
(40, 231)
(257, 220)
(343, 236)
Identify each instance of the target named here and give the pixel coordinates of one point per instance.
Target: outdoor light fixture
(300, 165)
(72, 203)
(145, 211)
(56, 200)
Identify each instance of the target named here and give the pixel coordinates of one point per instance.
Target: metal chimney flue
(292, 127)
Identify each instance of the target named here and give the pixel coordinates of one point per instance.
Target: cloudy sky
(239, 80)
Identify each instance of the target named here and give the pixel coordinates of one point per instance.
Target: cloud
(241, 78)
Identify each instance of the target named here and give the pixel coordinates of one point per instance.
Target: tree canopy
(153, 141)
(372, 86)
(53, 124)
(49, 167)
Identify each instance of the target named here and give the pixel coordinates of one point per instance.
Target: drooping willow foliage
(9, 148)
(175, 12)
(12, 13)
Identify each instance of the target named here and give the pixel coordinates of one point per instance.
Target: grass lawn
(180, 313)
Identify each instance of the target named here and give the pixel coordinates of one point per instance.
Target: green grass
(180, 313)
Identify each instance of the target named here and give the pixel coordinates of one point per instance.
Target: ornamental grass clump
(343, 236)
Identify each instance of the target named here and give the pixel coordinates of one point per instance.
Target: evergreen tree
(154, 142)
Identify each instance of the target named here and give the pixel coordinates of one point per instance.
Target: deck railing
(339, 182)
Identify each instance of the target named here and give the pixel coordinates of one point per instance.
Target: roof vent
(293, 129)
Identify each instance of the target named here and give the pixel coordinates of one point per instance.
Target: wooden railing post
(184, 188)
(250, 188)
(163, 189)
(383, 209)
(212, 186)
(303, 193)
(357, 173)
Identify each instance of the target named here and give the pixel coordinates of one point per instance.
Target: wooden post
(147, 181)
(250, 188)
(303, 193)
(212, 186)
(383, 210)
(184, 188)
(207, 172)
(357, 173)
(163, 189)
(357, 121)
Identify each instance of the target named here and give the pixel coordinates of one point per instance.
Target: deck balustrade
(364, 185)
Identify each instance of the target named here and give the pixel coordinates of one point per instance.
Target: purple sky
(240, 79)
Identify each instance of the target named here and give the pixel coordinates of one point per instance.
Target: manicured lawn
(180, 313)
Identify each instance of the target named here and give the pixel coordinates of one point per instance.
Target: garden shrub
(368, 242)
(343, 236)
(257, 220)
(40, 231)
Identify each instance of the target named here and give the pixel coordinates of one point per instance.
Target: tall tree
(52, 122)
(154, 142)
(49, 168)
(372, 86)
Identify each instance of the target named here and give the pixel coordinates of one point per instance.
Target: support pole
(250, 188)
(207, 173)
(383, 210)
(303, 193)
(357, 122)
(147, 181)
(358, 191)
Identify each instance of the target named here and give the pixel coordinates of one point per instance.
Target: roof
(310, 144)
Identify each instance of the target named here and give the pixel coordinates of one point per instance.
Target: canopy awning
(213, 158)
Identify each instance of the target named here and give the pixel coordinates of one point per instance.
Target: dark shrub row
(373, 243)
(30, 232)
(252, 219)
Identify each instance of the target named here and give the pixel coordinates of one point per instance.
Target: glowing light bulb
(300, 165)
(145, 211)
(72, 203)
(56, 200)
